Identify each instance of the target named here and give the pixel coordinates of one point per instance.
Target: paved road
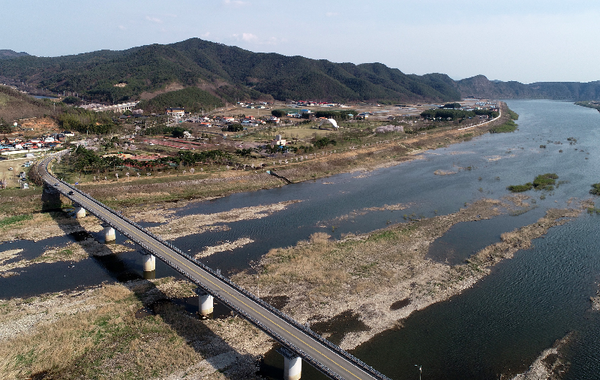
(328, 358)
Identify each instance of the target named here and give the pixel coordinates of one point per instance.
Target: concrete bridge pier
(205, 303)
(80, 212)
(50, 198)
(149, 263)
(292, 364)
(109, 235)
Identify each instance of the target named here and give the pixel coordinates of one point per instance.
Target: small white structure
(149, 263)
(109, 235)
(205, 303)
(330, 121)
(80, 212)
(176, 112)
(292, 364)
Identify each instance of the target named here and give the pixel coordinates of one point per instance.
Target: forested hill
(215, 73)
(7, 54)
(480, 87)
(229, 73)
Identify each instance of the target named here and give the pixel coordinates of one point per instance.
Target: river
(499, 326)
(502, 324)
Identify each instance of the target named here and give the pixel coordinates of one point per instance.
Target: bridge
(299, 341)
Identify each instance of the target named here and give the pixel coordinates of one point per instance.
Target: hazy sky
(523, 40)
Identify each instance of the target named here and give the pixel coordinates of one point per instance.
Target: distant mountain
(7, 54)
(216, 73)
(228, 73)
(480, 87)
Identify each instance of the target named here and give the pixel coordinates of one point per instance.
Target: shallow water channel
(499, 326)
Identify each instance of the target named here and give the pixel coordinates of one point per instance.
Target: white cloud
(235, 3)
(331, 14)
(246, 37)
(154, 19)
(122, 27)
(255, 40)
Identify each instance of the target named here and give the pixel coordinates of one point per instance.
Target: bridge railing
(347, 356)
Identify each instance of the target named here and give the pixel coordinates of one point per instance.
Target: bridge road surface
(323, 355)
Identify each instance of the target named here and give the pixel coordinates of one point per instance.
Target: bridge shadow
(180, 314)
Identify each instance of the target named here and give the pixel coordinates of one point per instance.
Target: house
(176, 112)
(249, 123)
(279, 141)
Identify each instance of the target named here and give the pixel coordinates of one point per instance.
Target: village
(252, 131)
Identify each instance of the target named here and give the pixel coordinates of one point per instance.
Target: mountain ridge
(231, 73)
(9, 54)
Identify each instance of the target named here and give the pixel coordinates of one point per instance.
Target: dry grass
(95, 334)
(19, 202)
(370, 273)
(120, 194)
(46, 225)
(357, 265)
(200, 223)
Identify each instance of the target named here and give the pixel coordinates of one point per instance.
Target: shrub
(509, 126)
(595, 189)
(541, 182)
(520, 188)
(545, 181)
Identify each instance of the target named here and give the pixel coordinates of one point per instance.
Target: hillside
(221, 73)
(480, 87)
(15, 105)
(229, 73)
(8, 54)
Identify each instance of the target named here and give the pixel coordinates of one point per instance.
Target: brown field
(12, 176)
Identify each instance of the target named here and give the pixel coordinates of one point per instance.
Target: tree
(71, 100)
(233, 128)
(452, 105)
(178, 132)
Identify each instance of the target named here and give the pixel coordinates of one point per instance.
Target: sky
(521, 40)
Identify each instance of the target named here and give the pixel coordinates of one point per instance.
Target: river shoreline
(379, 289)
(383, 277)
(378, 295)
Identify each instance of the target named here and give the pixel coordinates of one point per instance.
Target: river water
(499, 326)
(502, 324)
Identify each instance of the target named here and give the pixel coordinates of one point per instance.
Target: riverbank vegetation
(541, 182)
(454, 114)
(172, 174)
(589, 104)
(507, 127)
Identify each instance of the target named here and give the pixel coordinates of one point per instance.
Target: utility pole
(420, 370)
